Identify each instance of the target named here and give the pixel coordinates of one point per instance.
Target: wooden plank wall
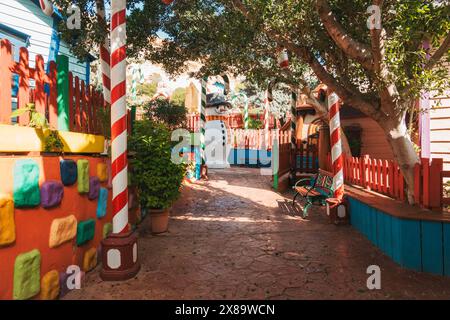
(373, 138)
(27, 17)
(440, 128)
(413, 244)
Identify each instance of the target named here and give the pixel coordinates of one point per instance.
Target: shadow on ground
(232, 237)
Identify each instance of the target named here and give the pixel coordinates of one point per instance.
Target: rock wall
(51, 221)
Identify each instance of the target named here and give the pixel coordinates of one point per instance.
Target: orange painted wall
(33, 225)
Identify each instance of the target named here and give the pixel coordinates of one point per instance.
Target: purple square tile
(52, 193)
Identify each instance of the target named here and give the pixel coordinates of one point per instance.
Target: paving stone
(230, 239)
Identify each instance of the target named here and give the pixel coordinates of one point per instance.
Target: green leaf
(19, 112)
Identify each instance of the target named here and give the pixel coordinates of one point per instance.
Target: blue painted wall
(413, 244)
(250, 158)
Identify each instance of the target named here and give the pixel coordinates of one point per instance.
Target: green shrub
(255, 124)
(169, 113)
(156, 177)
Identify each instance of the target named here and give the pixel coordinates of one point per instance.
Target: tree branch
(354, 49)
(351, 97)
(440, 52)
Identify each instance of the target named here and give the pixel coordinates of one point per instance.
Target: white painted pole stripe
(118, 182)
(336, 151)
(120, 220)
(120, 145)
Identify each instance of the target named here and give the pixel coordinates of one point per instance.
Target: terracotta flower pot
(159, 219)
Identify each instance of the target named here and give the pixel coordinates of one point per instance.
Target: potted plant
(156, 177)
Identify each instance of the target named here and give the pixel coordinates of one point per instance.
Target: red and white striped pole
(47, 7)
(119, 117)
(337, 157)
(105, 56)
(119, 251)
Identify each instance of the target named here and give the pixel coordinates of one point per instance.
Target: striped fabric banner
(119, 160)
(337, 156)
(203, 119)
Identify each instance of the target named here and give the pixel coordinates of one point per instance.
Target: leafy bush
(255, 124)
(169, 113)
(179, 96)
(53, 142)
(156, 177)
(37, 120)
(104, 116)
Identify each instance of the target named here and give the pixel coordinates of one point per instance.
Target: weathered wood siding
(373, 138)
(27, 17)
(440, 128)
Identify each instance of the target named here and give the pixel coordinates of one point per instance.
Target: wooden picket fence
(382, 176)
(285, 151)
(385, 177)
(306, 159)
(233, 121)
(83, 102)
(254, 139)
(429, 184)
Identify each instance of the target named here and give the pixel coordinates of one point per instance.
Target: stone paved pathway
(233, 238)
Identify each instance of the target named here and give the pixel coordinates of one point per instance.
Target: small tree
(157, 178)
(166, 112)
(281, 102)
(178, 96)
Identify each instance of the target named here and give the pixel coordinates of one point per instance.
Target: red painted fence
(285, 149)
(385, 177)
(429, 184)
(254, 139)
(84, 100)
(382, 176)
(233, 121)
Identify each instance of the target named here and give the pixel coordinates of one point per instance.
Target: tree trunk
(398, 138)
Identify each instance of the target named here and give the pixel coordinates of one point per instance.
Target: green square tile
(85, 231)
(26, 183)
(27, 275)
(83, 176)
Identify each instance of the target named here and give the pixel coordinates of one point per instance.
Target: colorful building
(24, 24)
